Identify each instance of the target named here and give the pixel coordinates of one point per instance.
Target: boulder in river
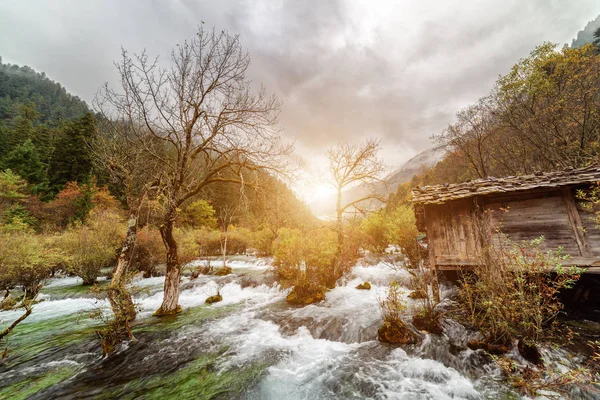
(223, 271)
(305, 293)
(395, 331)
(364, 286)
(214, 299)
(429, 321)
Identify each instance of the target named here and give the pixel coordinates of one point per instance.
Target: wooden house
(520, 207)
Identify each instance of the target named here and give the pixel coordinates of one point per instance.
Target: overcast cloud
(345, 70)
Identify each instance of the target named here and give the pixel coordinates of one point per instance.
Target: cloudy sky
(345, 70)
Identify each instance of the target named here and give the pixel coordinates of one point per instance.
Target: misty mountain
(22, 85)
(427, 158)
(586, 36)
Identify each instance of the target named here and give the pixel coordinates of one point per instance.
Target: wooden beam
(582, 261)
(576, 224)
(448, 260)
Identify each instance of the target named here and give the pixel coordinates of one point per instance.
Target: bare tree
(121, 153)
(211, 123)
(352, 165)
(227, 215)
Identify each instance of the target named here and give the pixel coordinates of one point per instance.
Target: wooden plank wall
(529, 218)
(588, 219)
(450, 232)
(452, 237)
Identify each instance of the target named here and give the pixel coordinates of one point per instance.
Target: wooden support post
(576, 224)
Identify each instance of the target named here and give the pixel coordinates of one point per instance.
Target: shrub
(199, 214)
(320, 254)
(26, 260)
(313, 253)
(12, 186)
(288, 249)
(262, 241)
(373, 230)
(149, 251)
(75, 202)
(513, 294)
(401, 230)
(187, 247)
(208, 241)
(238, 239)
(305, 261)
(10, 215)
(93, 245)
(394, 329)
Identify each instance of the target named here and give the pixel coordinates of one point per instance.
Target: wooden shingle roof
(439, 194)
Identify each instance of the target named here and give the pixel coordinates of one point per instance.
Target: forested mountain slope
(43, 130)
(586, 36)
(22, 85)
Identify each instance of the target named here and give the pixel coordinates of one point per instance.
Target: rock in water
(396, 332)
(305, 293)
(223, 271)
(428, 321)
(364, 286)
(214, 299)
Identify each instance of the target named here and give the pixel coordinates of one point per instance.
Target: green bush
(238, 239)
(187, 246)
(93, 245)
(313, 252)
(198, 214)
(401, 230)
(288, 250)
(26, 260)
(305, 260)
(262, 241)
(208, 241)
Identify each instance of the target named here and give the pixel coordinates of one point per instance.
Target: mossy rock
(306, 293)
(417, 294)
(364, 286)
(214, 299)
(223, 271)
(396, 332)
(428, 321)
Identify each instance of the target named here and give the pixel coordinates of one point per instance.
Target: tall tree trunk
(119, 297)
(224, 249)
(171, 292)
(340, 238)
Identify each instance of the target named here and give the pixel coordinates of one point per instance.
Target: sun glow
(322, 190)
(313, 190)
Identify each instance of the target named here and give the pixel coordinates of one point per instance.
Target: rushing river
(252, 345)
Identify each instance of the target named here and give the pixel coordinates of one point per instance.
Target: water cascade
(251, 345)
